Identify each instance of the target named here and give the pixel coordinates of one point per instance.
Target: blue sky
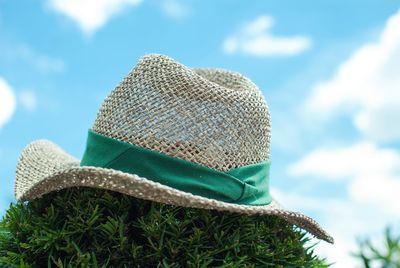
(329, 71)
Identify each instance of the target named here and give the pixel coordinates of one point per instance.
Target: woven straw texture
(211, 117)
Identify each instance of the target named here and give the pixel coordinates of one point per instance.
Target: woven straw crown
(216, 118)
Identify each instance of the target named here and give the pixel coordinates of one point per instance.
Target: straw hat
(167, 133)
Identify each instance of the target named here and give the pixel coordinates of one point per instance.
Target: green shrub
(83, 227)
(386, 255)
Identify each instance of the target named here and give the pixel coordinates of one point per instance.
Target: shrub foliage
(383, 255)
(83, 227)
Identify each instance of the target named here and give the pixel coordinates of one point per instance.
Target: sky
(328, 69)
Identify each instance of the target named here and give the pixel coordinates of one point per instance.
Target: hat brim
(44, 167)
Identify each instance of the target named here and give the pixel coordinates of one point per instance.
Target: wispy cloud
(7, 102)
(90, 15)
(41, 62)
(255, 39)
(366, 86)
(13, 53)
(175, 8)
(28, 100)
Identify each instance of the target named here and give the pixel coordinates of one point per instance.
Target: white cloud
(255, 39)
(28, 100)
(7, 102)
(348, 221)
(377, 192)
(175, 8)
(361, 159)
(91, 15)
(345, 219)
(372, 173)
(372, 180)
(367, 86)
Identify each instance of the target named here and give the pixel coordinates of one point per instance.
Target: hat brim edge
(44, 167)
